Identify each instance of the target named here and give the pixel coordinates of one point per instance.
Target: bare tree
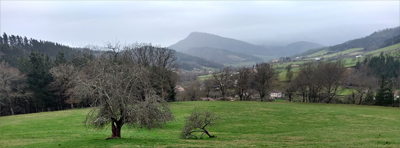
(264, 79)
(242, 83)
(12, 85)
(121, 93)
(223, 80)
(332, 78)
(208, 86)
(64, 80)
(290, 90)
(161, 62)
(361, 83)
(309, 82)
(193, 91)
(289, 73)
(197, 122)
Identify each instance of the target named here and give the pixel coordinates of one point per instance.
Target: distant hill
(293, 48)
(221, 55)
(206, 41)
(374, 41)
(197, 39)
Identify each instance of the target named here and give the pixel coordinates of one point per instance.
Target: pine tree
(36, 67)
(384, 97)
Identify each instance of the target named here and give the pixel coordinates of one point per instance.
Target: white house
(276, 94)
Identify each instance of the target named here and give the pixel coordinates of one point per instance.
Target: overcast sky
(77, 23)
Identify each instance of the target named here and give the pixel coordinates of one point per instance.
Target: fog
(164, 23)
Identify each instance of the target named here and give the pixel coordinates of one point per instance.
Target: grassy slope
(385, 49)
(243, 124)
(337, 53)
(319, 53)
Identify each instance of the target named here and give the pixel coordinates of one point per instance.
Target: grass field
(242, 124)
(385, 49)
(204, 77)
(319, 53)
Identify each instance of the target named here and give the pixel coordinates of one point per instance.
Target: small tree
(223, 80)
(197, 122)
(264, 79)
(192, 92)
(289, 74)
(242, 83)
(208, 87)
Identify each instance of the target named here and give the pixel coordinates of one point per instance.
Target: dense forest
(41, 83)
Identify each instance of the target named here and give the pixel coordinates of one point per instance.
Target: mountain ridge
(201, 39)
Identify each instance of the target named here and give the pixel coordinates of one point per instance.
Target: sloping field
(242, 124)
(345, 52)
(385, 49)
(319, 53)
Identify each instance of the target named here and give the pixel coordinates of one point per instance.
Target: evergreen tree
(36, 67)
(5, 38)
(384, 97)
(60, 59)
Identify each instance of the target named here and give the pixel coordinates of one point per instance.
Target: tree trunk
(116, 130)
(359, 103)
(205, 131)
(12, 111)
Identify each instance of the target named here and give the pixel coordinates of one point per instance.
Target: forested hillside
(374, 41)
(189, 62)
(14, 46)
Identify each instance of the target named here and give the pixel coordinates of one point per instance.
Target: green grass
(319, 53)
(385, 49)
(347, 91)
(204, 77)
(242, 124)
(351, 50)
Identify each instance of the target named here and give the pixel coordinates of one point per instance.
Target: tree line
(40, 83)
(370, 82)
(245, 82)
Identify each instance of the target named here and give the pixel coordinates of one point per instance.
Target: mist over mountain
(293, 48)
(197, 39)
(218, 49)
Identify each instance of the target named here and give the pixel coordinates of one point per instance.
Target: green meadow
(242, 124)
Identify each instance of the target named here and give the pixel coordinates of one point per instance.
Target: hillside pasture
(242, 124)
(385, 49)
(319, 53)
